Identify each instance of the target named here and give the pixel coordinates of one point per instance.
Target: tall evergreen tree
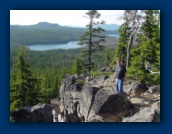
(128, 31)
(121, 48)
(107, 56)
(148, 50)
(91, 38)
(22, 90)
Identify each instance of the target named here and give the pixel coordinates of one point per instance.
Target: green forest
(48, 69)
(35, 76)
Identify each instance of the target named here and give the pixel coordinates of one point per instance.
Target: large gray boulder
(86, 101)
(37, 113)
(154, 89)
(110, 106)
(144, 115)
(22, 115)
(147, 106)
(135, 89)
(69, 94)
(41, 113)
(90, 103)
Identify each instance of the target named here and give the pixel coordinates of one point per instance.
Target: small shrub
(14, 105)
(80, 82)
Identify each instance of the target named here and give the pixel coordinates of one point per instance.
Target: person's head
(118, 61)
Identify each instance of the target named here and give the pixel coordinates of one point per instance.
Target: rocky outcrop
(22, 115)
(154, 89)
(111, 107)
(95, 99)
(147, 113)
(144, 115)
(37, 113)
(89, 102)
(135, 89)
(147, 106)
(56, 109)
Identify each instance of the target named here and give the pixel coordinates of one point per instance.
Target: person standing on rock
(119, 76)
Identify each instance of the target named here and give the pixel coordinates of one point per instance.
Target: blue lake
(69, 45)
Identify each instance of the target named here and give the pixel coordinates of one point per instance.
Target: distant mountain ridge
(46, 33)
(46, 24)
(38, 25)
(111, 27)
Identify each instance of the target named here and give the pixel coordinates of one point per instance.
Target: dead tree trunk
(128, 49)
(135, 22)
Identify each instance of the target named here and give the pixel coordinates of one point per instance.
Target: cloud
(62, 17)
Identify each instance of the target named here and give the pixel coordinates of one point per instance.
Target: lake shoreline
(110, 42)
(44, 47)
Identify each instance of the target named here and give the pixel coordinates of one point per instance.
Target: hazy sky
(62, 17)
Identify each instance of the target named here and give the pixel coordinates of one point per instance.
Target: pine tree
(147, 51)
(77, 66)
(22, 90)
(121, 48)
(107, 57)
(91, 38)
(128, 31)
